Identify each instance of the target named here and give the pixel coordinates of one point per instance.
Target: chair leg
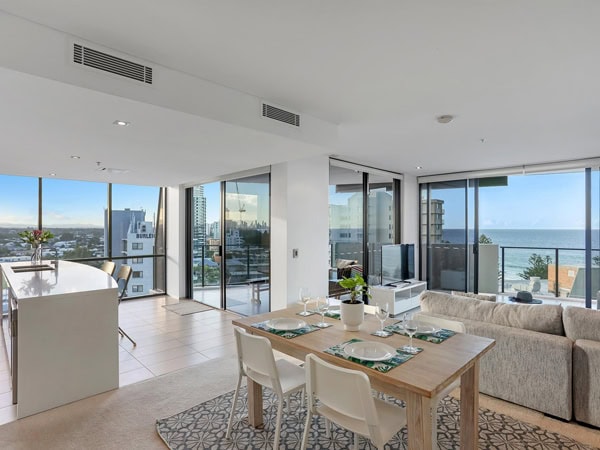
(122, 333)
(233, 404)
(327, 428)
(278, 423)
(306, 428)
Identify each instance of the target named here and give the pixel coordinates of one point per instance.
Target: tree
(538, 267)
(483, 239)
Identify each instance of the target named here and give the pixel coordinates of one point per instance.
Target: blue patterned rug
(203, 427)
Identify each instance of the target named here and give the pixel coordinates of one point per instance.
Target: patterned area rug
(185, 307)
(204, 426)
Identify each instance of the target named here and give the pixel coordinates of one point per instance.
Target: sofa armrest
(586, 388)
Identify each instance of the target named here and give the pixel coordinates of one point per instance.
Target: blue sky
(68, 203)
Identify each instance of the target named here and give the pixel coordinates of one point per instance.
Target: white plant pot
(352, 315)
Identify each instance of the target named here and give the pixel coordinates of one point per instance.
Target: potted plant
(352, 311)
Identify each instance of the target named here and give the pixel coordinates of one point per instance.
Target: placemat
(335, 314)
(380, 366)
(288, 334)
(436, 338)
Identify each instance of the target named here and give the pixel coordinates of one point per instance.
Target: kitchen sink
(32, 268)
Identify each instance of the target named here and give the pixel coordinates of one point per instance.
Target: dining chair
(123, 276)
(345, 398)
(452, 325)
(257, 362)
(108, 267)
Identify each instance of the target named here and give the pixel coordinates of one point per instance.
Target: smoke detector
(445, 118)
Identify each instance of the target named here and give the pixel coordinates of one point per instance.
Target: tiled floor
(166, 342)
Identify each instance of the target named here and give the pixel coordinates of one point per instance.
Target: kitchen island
(63, 321)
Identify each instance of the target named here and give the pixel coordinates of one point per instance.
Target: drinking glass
(304, 298)
(382, 314)
(322, 307)
(410, 326)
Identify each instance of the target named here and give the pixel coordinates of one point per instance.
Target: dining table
(417, 381)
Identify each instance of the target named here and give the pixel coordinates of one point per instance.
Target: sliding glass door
(229, 244)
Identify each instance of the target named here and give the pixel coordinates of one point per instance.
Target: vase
(352, 315)
(36, 257)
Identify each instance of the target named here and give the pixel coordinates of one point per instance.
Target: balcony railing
(557, 271)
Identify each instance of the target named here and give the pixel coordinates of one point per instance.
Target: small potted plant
(352, 311)
(36, 238)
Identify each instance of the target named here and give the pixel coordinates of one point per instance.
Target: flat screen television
(397, 263)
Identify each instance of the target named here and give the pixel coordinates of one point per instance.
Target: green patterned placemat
(288, 334)
(380, 366)
(335, 314)
(437, 337)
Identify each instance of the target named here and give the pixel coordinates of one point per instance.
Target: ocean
(516, 260)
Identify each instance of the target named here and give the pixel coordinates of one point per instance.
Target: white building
(140, 241)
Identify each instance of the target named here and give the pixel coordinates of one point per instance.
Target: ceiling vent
(281, 115)
(113, 64)
(112, 170)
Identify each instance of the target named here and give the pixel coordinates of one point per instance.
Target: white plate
(370, 351)
(425, 329)
(286, 324)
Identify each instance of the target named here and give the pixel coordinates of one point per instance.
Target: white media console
(400, 298)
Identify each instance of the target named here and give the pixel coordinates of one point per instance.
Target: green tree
(538, 267)
(79, 252)
(483, 239)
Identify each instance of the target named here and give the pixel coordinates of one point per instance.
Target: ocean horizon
(517, 260)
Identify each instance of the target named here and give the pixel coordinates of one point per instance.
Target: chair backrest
(124, 275)
(256, 359)
(331, 385)
(439, 322)
(108, 267)
(370, 309)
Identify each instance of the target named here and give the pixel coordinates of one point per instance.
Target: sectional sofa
(546, 357)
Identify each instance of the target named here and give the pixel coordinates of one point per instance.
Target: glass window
(137, 288)
(138, 274)
(18, 212)
(137, 219)
(73, 211)
(137, 260)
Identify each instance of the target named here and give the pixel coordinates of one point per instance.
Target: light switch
(294, 253)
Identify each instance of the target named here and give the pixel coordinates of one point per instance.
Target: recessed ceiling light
(75, 157)
(52, 174)
(445, 118)
(418, 167)
(121, 123)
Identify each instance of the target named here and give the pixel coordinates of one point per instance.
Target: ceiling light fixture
(418, 167)
(52, 174)
(75, 157)
(121, 123)
(445, 118)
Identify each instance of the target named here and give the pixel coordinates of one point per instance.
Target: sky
(69, 203)
(549, 201)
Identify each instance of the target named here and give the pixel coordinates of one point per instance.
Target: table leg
(255, 404)
(418, 416)
(469, 408)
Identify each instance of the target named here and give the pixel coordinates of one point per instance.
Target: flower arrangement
(35, 237)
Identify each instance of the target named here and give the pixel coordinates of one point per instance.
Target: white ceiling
(520, 77)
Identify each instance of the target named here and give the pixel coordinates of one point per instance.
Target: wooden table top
(428, 373)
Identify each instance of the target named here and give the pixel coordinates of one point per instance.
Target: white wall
(410, 215)
(175, 223)
(299, 220)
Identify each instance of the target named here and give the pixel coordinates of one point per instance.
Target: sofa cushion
(488, 297)
(541, 318)
(586, 389)
(581, 323)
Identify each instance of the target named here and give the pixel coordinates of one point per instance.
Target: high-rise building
(198, 219)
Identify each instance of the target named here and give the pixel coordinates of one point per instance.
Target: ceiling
(520, 79)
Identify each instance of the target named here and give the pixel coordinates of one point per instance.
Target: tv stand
(400, 298)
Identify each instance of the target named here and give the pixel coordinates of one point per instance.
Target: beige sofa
(532, 361)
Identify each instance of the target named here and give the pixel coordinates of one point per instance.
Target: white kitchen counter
(66, 335)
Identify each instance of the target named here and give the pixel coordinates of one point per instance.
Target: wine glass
(322, 307)
(382, 314)
(304, 298)
(410, 326)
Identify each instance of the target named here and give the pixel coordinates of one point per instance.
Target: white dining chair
(452, 325)
(257, 362)
(343, 396)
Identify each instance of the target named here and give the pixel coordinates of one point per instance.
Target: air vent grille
(272, 112)
(103, 61)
